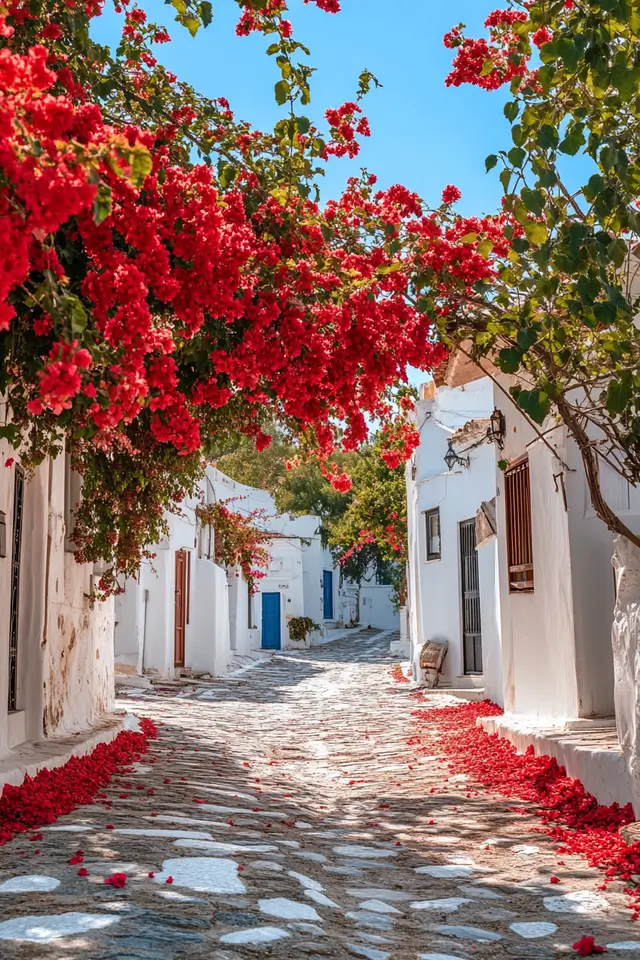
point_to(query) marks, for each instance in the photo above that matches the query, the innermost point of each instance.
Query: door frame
(327, 576)
(181, 607)
(472, 664)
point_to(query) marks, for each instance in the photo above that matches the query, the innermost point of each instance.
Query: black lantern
(497, 428)
(452, 459)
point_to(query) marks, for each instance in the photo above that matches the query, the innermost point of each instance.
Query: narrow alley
(285, 815)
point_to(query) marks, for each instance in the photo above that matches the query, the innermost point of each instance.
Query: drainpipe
(144, 629)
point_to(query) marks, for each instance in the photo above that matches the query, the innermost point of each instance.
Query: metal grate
(519, 534)
(471, 619)
(16, 550)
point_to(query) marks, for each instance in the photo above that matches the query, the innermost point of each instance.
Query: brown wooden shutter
(517, 490)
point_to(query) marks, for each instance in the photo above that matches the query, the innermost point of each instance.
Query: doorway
(327, 594)
(470, 582)
(181, 604)
(271, 625)
(16, 555)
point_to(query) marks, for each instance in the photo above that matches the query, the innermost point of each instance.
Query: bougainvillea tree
(168, 277)
(559, 308)
(239, 538)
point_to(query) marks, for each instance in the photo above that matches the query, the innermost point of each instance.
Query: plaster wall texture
(65, 643)
(490, 616)
(435, 611)
(376, 607)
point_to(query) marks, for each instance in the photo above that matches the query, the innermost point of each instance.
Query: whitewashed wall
(557, 657)
(377, 608)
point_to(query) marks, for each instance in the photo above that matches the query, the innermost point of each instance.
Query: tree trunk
(625, 640)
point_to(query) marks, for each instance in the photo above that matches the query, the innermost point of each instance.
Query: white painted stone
(581, 901)
(286, 909)
(169, 834)
(358, 850)
(526, 849)
(321, 899)
(446, 905)
(533, 931)
(306, 882)
(446, 871)
(215, 846)
(70, 828)
(131, 723)
(625, 945)
(255, 935)
(444, 841)
(459, 778)
(480, 893)
(310, 855)
(378, 906)
(367, 952)
(476, 934)
(437, 956)
(267, 865)
(378, 893)
(53, 927)
(289, 843)
(33, 883)
(203, 874)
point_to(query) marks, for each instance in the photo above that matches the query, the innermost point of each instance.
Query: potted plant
(300, 628)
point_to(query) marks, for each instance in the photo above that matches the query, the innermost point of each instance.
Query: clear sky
(424, 135)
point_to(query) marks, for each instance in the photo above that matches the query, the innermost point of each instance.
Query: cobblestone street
(294, 821)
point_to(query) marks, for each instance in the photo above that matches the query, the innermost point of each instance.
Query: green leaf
(510, 360)
(548, 137)
(618, 396)
(533, 200)
(102, 203)
(626, 80)
(568, 52)
(588, 288)
(78, 317)
(511, 110)
(141, 164)
(192, 24)
(573, 140)
(490, 162)
(516, 156)
(302, 125)
(535, 403)
(536, 232)
(505, 179)
(226, 175)
(617, 252)
(282, 91)
(605, 312)
(526, 338)
(206, 12)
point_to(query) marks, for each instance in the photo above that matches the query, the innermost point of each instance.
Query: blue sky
(424, 135)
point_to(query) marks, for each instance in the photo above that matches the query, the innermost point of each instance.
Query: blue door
(271, 621)
(327, 593)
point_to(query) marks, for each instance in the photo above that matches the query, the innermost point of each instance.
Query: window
(432, 518)
(249, 608)
(205, 547)
(517, 496)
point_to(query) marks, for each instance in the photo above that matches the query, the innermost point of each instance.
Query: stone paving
(294, 821)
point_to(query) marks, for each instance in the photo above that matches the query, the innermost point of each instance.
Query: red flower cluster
(117, 880)
(345, 124)
(52, 793)
(586, 946)
(488, 65)
(397, 674)
(451, 194)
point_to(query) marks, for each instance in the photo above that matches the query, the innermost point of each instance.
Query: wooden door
(271, 625)
(181, 604)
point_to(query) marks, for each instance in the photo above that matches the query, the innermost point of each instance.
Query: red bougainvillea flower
(117, 880)
(554, 879)
(169, 880)
(151, 874)
(586, 946)
(451, 194)
(83, 872)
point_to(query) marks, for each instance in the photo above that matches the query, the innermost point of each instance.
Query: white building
(187, 614)
(555, 594)
(452, 583)
(56, 646)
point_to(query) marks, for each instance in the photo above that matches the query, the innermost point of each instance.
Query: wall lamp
(497, 428)
(452, 459)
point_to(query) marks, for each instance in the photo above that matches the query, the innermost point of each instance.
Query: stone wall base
(590, 752)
